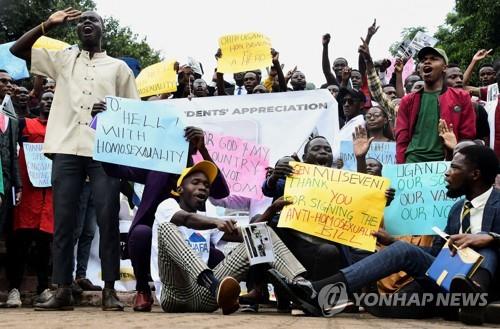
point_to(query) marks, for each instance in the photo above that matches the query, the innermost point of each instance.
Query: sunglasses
(6, 81)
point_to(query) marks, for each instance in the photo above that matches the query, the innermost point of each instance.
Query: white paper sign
(39, 166)
(258, 243)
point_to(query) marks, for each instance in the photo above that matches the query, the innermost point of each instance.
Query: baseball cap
(431, 50)
(355, 94)
(206, 167)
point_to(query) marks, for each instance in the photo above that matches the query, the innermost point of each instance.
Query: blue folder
(445, 267)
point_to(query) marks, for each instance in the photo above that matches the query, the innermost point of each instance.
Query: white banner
(281, 122)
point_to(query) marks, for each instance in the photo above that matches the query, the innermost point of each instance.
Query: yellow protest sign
(157, 79)
(244, 52)
(336, 205)
(50, 44)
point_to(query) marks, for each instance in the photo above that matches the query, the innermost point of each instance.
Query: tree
(17, 17)
(121, 41)
(407, 35)
(473, 25)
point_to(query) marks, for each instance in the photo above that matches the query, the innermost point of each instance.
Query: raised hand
(195, 137)
(289, 74)
(398, 65)
(360, 141)
(373, 28)
(364, 50)
(446, 133)
(481, 54)
(275, 55)
(218, 54)
(326, 39)
(346, 73)
(61, 16)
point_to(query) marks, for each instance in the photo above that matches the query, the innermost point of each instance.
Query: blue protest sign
(420, 201)
(39, 166)
(141, 134)
(12, 64)
(384, 152)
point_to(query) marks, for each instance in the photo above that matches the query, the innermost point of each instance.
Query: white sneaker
(43, 297)
(14, 299)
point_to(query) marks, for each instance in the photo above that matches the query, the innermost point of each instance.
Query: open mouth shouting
(87, 30)
(427, 71)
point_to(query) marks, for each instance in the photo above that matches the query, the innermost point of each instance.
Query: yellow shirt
(80, 83)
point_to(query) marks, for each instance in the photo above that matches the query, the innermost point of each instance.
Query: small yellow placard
(244, 52)
(50, 44)
(336, 205)
(157, 79)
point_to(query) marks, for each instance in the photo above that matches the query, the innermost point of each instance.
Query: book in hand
(258, 243)
(446, 266)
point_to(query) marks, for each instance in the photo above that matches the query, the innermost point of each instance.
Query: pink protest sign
(407, 69)
(242, 162)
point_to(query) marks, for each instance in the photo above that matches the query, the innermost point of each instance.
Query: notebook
(445, 267)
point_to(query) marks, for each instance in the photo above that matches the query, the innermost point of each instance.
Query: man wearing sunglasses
(351, 101)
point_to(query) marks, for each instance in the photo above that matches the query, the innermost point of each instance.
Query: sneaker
(14, 299)
(43, 297)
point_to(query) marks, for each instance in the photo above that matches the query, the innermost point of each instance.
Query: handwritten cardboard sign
(244, 52)
(157, 79)
(50, 44)
(242, 162)
(384, 152)
(336, 205)
(39, 166)
(140, 134)
(420, 202)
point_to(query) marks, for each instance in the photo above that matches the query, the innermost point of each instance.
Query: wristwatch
(496, 238)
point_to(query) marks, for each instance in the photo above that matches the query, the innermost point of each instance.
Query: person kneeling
(181, 245)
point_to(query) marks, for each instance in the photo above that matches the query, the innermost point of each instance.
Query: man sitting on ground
(181, 244)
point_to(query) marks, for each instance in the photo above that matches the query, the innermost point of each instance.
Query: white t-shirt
(198, 240)
(345, 133)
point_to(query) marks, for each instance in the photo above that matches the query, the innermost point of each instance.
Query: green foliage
(17, 17)
(472, 26)
(407, 34)
(121, 41)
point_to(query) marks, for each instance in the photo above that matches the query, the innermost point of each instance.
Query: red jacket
(455, 107)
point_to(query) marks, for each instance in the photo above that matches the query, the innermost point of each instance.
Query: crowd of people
(432, 115)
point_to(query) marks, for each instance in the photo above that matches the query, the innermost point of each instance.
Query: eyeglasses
(6, 81)
(373, 116)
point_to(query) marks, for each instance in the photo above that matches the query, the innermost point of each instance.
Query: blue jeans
(403, 256)
(85, 230)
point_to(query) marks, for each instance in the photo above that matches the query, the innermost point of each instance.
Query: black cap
(355, 94)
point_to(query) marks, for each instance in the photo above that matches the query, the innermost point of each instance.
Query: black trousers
(320, 260)
(68, 176)
(20, 242)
